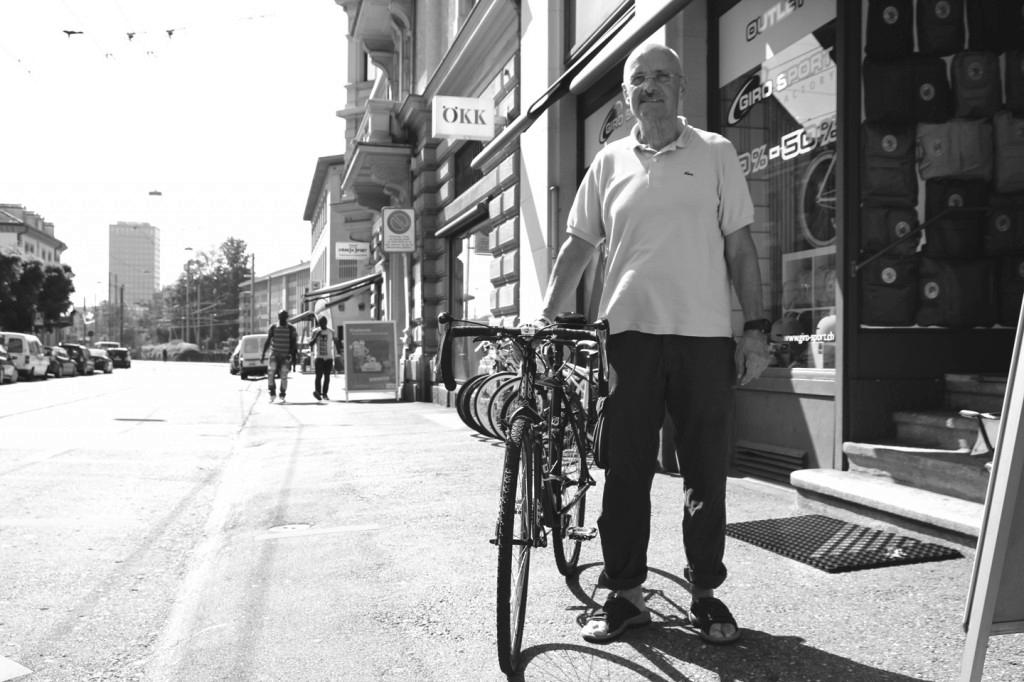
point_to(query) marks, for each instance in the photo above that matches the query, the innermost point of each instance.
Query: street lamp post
(188, 285)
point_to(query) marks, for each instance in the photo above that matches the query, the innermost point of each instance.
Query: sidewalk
(355, 547)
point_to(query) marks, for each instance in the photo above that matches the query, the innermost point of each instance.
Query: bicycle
(549, 445)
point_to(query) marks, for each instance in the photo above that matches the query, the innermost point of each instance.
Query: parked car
(8, 372)
(26, 352)
(61, 364)
(235, 360)
(80, 354)
(100, 360)
(119, 355)
(249, 356)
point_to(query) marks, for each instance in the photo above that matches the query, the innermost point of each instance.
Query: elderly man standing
(672, 208)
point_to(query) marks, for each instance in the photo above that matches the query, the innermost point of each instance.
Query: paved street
(166, 523)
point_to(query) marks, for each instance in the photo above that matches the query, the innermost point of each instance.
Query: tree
(212, 279)
(55, 297)
(28, 287)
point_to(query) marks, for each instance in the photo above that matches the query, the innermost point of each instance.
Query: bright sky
(225, 117)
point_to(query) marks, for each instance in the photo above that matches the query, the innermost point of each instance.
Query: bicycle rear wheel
(566, 486)
(515, 526)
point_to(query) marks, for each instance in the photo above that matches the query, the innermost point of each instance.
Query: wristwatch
(762, 325)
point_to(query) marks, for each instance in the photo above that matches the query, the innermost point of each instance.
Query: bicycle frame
(567, 397)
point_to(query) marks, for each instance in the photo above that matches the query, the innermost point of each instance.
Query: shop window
(471, 297)
(778, 107)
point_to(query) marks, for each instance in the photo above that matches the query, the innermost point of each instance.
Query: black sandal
(617, 615)
(710, 611)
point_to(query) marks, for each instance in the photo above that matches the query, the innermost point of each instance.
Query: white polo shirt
(664, 215)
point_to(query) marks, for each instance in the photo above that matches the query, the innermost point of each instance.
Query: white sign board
(995, 600)
(351, 251)
(398, 230)
(463, 118)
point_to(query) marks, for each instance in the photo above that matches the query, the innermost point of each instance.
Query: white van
(249, 362)
(26, 351)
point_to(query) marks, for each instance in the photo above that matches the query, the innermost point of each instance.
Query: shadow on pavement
(669, 649)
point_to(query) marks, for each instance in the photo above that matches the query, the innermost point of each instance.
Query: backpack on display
(907, 90)
(995, 25)
(888, 288)
(888, 162)
(881, 225)
(1004, 225)
(1011, 289)
(956, 293)
(1013, 81)
(940, 26)
(977, 84)
(959, 233)
(959, 148)
(1009, 162)
(890, 29)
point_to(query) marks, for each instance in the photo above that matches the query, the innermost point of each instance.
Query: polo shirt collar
(680, 142)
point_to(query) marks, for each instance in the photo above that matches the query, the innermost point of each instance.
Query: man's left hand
(752, 356)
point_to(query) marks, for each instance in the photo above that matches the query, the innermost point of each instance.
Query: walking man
(671, 206)
(323, 343)
(283, 342)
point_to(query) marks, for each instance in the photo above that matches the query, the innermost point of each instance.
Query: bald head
(652, 52)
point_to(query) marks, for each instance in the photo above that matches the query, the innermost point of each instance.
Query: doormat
(836, 546)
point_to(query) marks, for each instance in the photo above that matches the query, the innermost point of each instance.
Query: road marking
(299, 532)
(10, 670)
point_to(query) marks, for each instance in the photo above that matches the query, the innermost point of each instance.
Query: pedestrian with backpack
(323, 344)
(283, 343)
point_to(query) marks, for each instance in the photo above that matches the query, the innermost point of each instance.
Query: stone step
(955, 473)
(942, 429)
(980, 392)
(879, 498)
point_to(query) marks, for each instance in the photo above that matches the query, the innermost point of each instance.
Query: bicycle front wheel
(569, 494)
(515, 530)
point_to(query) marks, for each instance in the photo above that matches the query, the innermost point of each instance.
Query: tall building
(134, 260)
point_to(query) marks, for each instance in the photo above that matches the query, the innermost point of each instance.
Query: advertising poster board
(371, 357)
(995, 600)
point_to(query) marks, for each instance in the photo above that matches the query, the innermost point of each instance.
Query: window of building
(465, 175)
(587, 16)
(471, 294)
(780, 113)
(347, 269)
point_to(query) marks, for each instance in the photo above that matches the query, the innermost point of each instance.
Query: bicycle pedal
(581, 532)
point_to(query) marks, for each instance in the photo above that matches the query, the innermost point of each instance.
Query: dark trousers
(322, 382)
(693, 378)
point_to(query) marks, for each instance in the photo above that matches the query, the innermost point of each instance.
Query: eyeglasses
(659, 77)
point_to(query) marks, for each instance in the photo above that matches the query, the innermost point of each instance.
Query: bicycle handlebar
(569, 331)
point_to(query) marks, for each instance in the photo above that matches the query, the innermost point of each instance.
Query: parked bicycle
(549, 444)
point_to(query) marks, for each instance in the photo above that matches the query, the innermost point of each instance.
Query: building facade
(868, 318)
(134, 263)
(263, 297)
(344, 285)
(30, 235)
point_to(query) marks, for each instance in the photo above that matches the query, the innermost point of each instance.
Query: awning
(303, 317)
(620, 38)
(345, 289)
(471, 215)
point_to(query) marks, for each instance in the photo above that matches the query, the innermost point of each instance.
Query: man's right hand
(533, 324)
